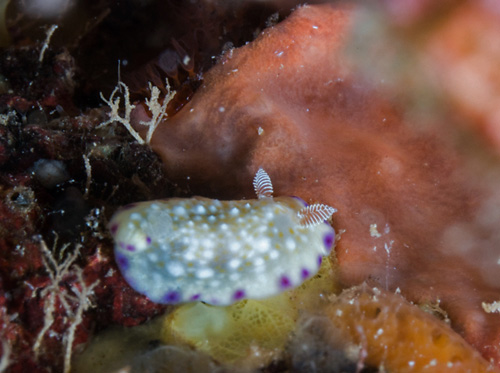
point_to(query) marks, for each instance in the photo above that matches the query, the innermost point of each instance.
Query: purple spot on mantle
(285, 282)
(195, 297)
(130, 247)
(148, 240)
(114, 229)
(328, 240)
(172, 297)
(239, 294)
(122, 262)
(320, 260)
(305, 273)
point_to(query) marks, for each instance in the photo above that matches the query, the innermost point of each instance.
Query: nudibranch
(219, 252)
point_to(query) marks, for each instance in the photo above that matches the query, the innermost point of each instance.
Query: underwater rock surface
(412, 213)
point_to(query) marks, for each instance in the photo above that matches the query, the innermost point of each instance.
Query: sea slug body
(199, 249)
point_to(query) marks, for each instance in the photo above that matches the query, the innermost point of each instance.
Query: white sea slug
(219, 252)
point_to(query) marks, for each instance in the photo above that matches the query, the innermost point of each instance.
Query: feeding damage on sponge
(219, 252)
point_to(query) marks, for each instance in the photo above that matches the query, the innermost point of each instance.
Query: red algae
(58, 280)
(291, 102)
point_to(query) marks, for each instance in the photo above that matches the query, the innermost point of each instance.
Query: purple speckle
(328, 240)
(239, 294)
(195, 297)
(320, 260)
(122, 262)
(114, 229)
(285, 282)
(148, 240)
(130, 247)
(172, 297)
(305, 273)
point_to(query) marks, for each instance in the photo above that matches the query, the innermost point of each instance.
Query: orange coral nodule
(400, 336)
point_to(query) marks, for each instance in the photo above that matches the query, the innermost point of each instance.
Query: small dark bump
(328, 240)
(305, 273)
(172, 297)
(122, 262)
(239, 294)
(130, 247)
(285, 282)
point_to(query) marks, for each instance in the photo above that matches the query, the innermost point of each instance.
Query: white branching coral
(67, 287)
(158, 110)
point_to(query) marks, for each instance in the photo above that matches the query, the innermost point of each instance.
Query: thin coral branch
(158, 111)
(73, 295)
(6, 355)
(5, 359)
(48, 310)
(84, 303)
(114, 105)
(45, 45)
(88, 171)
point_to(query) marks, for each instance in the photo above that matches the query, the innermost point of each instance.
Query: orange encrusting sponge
(399, 336)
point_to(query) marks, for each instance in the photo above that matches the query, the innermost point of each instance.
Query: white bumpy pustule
(219, 252)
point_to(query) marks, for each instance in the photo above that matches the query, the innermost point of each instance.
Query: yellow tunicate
(314, 292)
(229, 334)
(250, 332)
